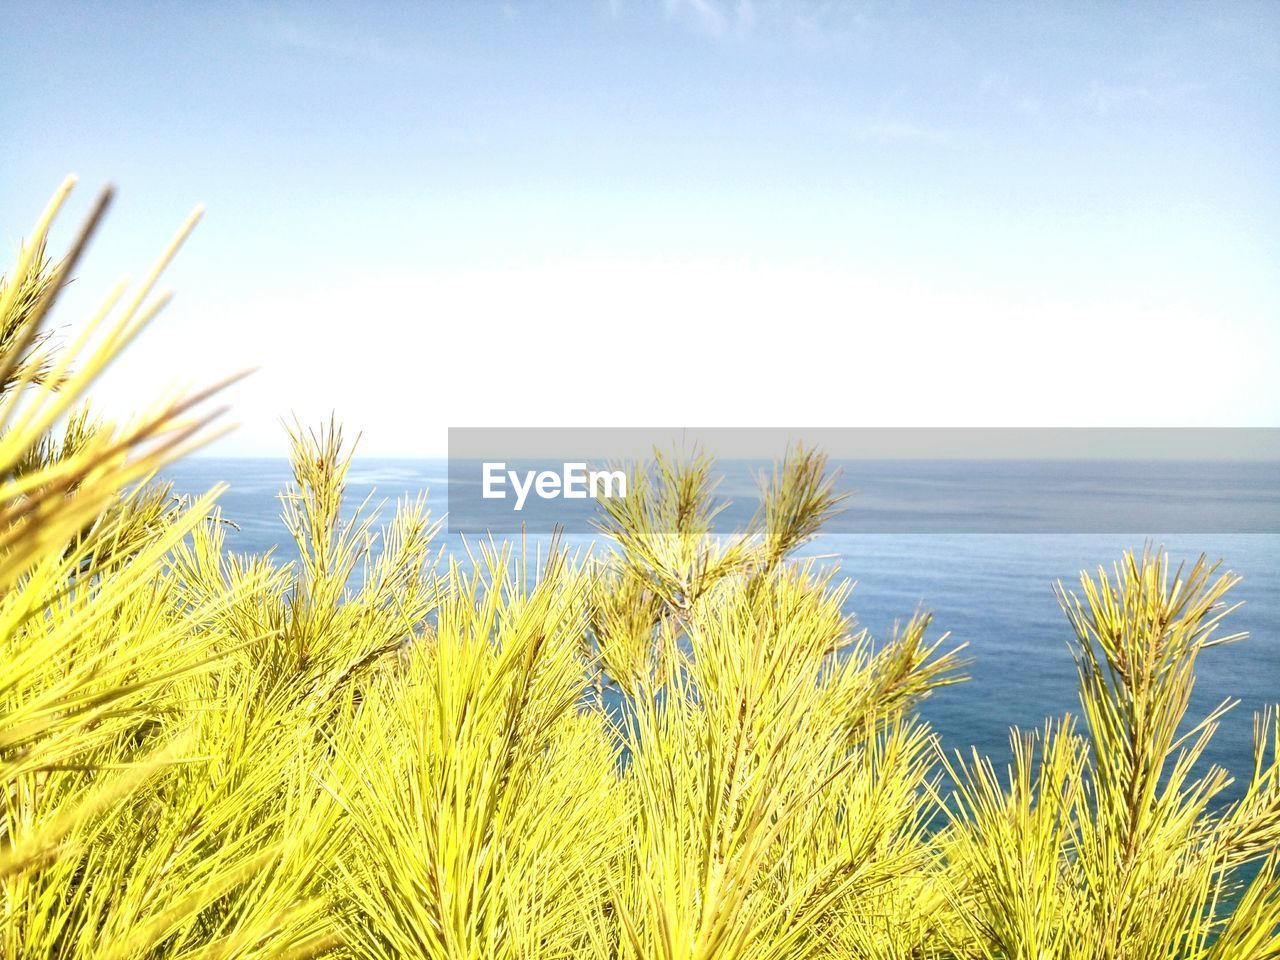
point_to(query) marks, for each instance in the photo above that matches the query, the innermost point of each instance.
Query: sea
(993, 592)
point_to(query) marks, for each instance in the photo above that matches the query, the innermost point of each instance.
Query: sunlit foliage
(679, 748)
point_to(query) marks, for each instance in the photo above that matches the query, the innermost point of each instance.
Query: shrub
(375, 752)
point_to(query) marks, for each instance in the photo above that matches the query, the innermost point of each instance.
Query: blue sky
(719, 213)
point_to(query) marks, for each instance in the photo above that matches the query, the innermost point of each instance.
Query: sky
(689, 212)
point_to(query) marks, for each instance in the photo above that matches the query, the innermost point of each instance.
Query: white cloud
(812, 25)
(298, 36)
(1107, 98)
(715, 18)
(999, 85)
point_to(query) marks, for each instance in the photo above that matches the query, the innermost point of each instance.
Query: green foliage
(371, 753)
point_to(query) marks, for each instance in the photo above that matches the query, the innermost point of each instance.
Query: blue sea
(990, 591)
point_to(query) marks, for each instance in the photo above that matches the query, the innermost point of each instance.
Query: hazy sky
(772, 213)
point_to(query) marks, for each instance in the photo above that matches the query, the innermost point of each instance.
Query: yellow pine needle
(680, 748)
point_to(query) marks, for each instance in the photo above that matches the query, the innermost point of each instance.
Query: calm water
(991, 591)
